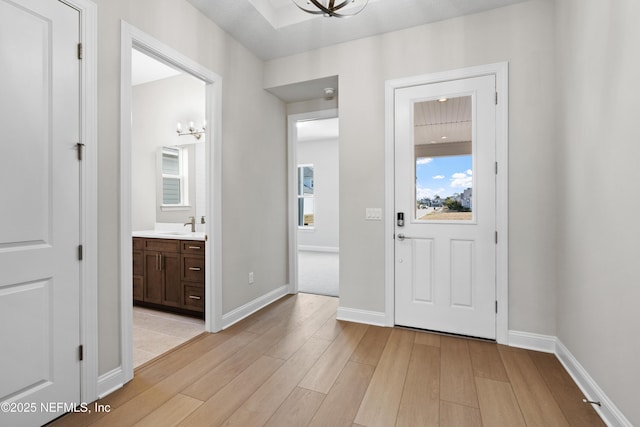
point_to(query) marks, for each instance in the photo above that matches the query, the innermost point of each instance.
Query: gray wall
(598, 138)
(254, 157)
(323, 154)
(523, 35)
(156, 109)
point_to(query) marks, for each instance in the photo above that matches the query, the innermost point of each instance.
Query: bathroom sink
(174, 233)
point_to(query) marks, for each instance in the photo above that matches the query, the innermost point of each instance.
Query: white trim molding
(110, 382)
(236, 315)
(131, 38)
(529, 341)
(88, 12)
(376, 318)
(609, 412)
(501, 73)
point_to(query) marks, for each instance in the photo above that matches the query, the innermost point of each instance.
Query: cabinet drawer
(193, 268)
(194, 247)
(138, 243)
(162, 245)
(193, 297)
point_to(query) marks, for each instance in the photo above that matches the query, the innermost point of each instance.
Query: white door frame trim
(292, 155)
(501, 72)
(88, 11)
(132, 37)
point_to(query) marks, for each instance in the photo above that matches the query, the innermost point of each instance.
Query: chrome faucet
(192, 223)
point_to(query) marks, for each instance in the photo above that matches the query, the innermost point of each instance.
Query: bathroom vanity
(169, 271)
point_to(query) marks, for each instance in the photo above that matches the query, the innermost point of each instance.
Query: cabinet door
(138, 275)
(172, 291)
(153, 277)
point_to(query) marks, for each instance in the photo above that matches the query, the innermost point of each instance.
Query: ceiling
(277, 28)
(145, 69)
(444, 120)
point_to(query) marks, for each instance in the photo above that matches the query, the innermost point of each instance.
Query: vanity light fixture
(331, 8)
(192, 130)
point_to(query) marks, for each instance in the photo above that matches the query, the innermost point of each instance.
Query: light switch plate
(373, 214)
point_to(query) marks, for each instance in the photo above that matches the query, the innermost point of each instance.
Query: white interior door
(445, 270)
(39, 211)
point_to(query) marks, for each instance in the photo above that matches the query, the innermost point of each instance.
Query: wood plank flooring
(293, 364)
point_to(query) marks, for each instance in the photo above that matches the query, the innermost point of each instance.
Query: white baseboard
(609, 413)
(251, 307)
(376, 318)
(537, 342)
(309, 248)
(110, 382)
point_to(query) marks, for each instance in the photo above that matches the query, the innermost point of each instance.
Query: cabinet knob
(195, 247)
(194, 268)
(194, 297)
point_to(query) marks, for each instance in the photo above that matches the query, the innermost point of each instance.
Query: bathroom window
(174, 176)
(306, 197)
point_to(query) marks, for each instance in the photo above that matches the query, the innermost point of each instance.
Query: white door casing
(40, 214)
(445, 271)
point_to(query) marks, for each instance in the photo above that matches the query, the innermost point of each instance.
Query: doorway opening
(168, 190)
(314, 202)
(170, 199)
(317, 204)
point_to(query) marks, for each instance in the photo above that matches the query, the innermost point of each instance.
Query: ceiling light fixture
(192, 130)
(331, 8)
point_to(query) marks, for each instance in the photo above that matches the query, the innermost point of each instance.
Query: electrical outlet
(251, 277)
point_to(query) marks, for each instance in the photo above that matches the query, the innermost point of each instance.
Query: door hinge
(80, 52)
(496, 98)
(80, 148)
(496, 306)
(496, 237)
(81, 352)
(496, 168)
(80, 252)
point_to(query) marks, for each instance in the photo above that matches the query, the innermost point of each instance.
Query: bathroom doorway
(170, 199)
(168, 193)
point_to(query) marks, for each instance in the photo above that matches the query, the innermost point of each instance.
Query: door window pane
(443, 159)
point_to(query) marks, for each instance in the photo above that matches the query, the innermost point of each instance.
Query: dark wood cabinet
(169, 274)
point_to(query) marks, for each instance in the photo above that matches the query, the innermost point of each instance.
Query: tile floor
(156, 332)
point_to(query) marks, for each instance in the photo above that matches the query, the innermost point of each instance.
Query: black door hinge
(80, 148)
(496, 306)
(80, 52)
(80, 252)
(81, 352)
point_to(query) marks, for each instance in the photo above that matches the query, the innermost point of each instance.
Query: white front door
(445, 202)
(39, 211)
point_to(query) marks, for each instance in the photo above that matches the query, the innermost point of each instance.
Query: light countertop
(163, 234)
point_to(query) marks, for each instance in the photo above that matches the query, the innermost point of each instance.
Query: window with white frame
(306, 197)
(174, 176)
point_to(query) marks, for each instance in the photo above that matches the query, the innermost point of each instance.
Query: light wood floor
(293, 364)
